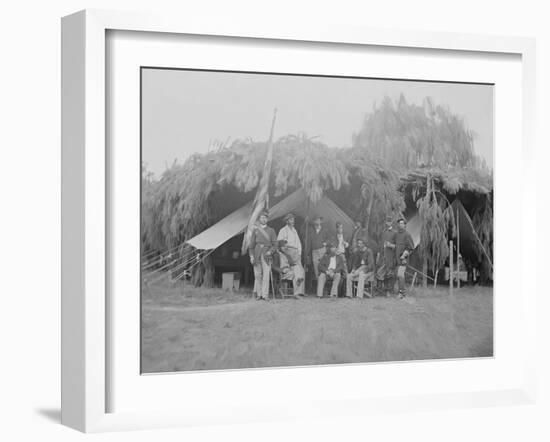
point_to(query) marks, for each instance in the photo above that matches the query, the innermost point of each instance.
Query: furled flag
(262, 194)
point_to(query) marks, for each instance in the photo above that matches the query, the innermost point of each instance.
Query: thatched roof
(451, 181)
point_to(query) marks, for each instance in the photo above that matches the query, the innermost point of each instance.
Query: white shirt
(332, 263)
(341, 244)
(290, 235)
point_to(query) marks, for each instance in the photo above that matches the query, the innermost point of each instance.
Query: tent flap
(226, 228)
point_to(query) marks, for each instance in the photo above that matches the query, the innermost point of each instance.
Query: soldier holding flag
(263, 244)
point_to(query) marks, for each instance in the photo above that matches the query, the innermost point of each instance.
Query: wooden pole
(451, 267)
(457, 248)
(261, 200)
(425, 272)
(414, 280)
(307, 272)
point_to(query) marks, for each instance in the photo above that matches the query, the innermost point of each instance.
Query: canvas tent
(297, 203)
(414, 226)
(467, 235)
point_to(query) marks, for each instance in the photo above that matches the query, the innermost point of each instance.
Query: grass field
(184, 328)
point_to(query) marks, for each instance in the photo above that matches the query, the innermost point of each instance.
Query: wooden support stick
(451, 267)
(425, 272)
(414, 279)
(457, 249)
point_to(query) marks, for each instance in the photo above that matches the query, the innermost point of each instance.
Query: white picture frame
(85, 202)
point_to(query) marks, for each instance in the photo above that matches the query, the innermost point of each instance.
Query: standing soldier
(262, 246)
(291, 251)
(386, 272)
(317, 241)
(404, 245)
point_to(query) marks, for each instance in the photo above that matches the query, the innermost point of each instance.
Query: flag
(262, 194)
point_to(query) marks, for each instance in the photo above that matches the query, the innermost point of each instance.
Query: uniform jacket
(388, 252)
(325, 262)
(362, 255)
(263, 240)
(403, 242)
(318, 240)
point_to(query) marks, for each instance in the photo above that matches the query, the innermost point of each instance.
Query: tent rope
(162, 253)
(197, 257)
(186, 263)
(178, 277)
(165, 266)
(184, 256)
(183, 264)
(423, 274)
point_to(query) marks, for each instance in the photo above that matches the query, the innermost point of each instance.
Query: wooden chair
(286, 288)
(282, 287)
(368, 287)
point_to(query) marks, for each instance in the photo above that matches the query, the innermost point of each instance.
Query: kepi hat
(288, 216)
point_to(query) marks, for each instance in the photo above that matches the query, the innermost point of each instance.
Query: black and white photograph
(302, 220)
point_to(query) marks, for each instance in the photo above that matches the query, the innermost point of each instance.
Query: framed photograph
(265, 222)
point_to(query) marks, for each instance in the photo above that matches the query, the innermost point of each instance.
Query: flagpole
(261, 199)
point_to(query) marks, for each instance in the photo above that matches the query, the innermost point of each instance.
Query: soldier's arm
(252, 245)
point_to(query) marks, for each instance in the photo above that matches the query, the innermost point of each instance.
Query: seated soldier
(362, 269)
(283, 268)
(331, 266)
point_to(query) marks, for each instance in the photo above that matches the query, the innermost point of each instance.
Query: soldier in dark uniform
(362, 269)
(404, 245)
(386, 272)
(331, 266)
(262, 246)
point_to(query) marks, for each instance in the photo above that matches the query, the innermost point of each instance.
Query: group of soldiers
(333, 258)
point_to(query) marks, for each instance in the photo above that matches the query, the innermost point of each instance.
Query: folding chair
(286, 288)
(282, 287)
(368, 287)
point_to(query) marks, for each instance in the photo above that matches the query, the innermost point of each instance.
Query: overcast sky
(186, 111)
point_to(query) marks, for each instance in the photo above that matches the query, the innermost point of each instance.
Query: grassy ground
(184, 328)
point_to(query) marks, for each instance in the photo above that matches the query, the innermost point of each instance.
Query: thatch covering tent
(451, 180)
(465, 198)
(464, 223)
